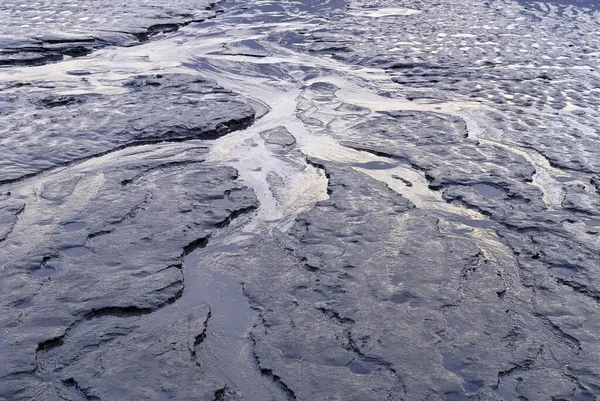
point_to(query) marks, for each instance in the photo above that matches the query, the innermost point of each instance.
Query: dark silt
(357, 200)
(591, 4)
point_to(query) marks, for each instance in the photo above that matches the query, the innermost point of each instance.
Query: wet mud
(37, 33)
(318, 200)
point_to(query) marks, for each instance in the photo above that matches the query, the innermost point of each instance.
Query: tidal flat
(300, 200)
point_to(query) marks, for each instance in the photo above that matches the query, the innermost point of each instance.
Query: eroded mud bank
(307, 201)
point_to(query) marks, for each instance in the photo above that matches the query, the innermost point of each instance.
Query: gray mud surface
(38, 32)
(317, 200)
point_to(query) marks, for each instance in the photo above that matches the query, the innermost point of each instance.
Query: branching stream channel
(300, 200)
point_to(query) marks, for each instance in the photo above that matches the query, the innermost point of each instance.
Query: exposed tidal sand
(307, 201)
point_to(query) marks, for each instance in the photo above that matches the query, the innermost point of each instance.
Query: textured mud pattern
(316, 200)
(35, 33)
(155, 108)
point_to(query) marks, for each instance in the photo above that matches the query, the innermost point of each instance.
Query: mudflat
(317, 200)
